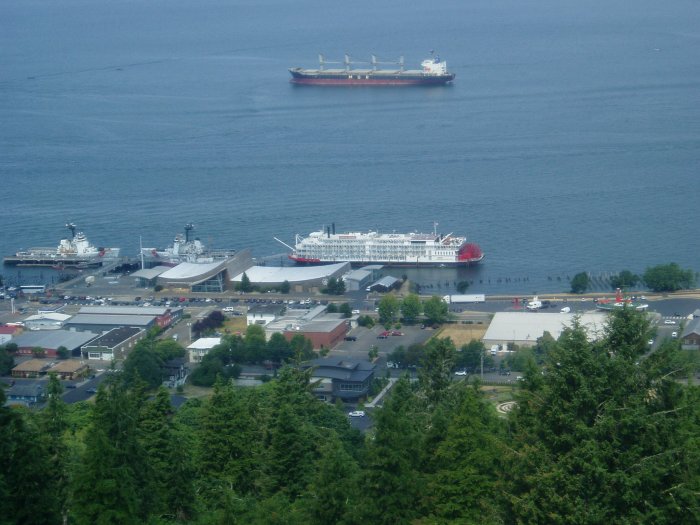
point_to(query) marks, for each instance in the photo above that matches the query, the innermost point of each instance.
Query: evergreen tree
(388, 309)
(598, 437)
(333, 489)
(167, 450)
(464, 487)
(436, 373)
(228, 443)
(112, 485)
(392, 483)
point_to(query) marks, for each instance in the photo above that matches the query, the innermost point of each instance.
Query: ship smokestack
(328, 232)
(333, 228)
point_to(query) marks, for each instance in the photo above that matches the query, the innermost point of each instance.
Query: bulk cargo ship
(389, 249)
(75, 252)
(433, 72)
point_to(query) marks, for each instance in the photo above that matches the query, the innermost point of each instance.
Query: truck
(464, 298)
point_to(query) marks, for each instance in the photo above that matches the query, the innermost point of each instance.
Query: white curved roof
(279, 274)
(187, 271)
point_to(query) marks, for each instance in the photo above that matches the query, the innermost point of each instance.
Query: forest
(602, 432)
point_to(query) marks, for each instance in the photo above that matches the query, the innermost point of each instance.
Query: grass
(462, 334)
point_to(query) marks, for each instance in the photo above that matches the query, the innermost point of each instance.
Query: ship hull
(349, 79)
(394, 264)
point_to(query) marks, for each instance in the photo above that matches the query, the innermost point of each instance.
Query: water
(569, 142)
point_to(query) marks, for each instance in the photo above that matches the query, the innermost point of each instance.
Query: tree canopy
(669, 278)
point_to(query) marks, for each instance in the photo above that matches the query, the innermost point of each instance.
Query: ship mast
(72, 227)
(188, 228)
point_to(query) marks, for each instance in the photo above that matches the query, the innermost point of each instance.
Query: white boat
(185, 249)
(389, 249)
(70, 252)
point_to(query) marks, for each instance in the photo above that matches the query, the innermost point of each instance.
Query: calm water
(569, 142)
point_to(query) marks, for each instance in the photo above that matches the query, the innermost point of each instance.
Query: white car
(461, 373)
(674, 335)
(355, 312)
(228, 309)
(669, 321)
(357, 413)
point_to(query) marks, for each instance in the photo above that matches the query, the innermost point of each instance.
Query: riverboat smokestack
(333, 224)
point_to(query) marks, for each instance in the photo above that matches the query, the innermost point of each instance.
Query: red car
(396, 332)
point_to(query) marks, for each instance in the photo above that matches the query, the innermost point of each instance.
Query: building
(690, 336)
(46, 321)
(323, 333)
(32, 368)
(115, 344)
(264, 314)
(323, 329)
(385, 284)
(301, 279)
(7, 333)
(51, 340)
(27, 394)
(201, 347)
(205, 277)
(165, 315)
(69, 369)
(104, 323)
(338, 378)
(524, 328)
(359, 279)
(174, 372)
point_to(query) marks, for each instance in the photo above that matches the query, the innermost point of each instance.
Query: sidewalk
(381, 394)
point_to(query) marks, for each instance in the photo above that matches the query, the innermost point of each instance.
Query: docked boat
(620, 302)
(73, 252)
(183, 249)
(389, 249)
(433, 72)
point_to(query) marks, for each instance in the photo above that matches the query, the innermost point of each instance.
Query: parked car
(228, 309)
(350, 338)
(396, 332)
(669, 321)
(461, 373)
(357, 413)
(674, 335)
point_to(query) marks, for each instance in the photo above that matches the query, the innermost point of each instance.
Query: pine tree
(112, 485)
(392, 482)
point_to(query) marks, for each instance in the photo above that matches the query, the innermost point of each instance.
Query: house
(69, 369)
(115, 344)
(174, 372)
(339, 378)
(25, 394)
(690, 336)
(201, 347)
(32, 368)
(264, 314)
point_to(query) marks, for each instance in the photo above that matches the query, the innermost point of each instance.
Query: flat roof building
(341, 378)
(51, 340)
(524, 328)
(201, 347)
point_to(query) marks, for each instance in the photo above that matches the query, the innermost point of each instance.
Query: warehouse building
(115, 344)
(51, 340)
(524, 328)
(302, 279)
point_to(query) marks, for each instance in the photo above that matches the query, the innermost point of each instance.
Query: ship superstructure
(433, 72)
(390, 249)
(184, 249)
(75, 251)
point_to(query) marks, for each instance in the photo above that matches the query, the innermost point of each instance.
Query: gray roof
(53, 339)
(341, 369)
(150, 273)
(124, 310)
(114, 337)
(693, 327)
(25, 390)
(387, 281)
(117, 320)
